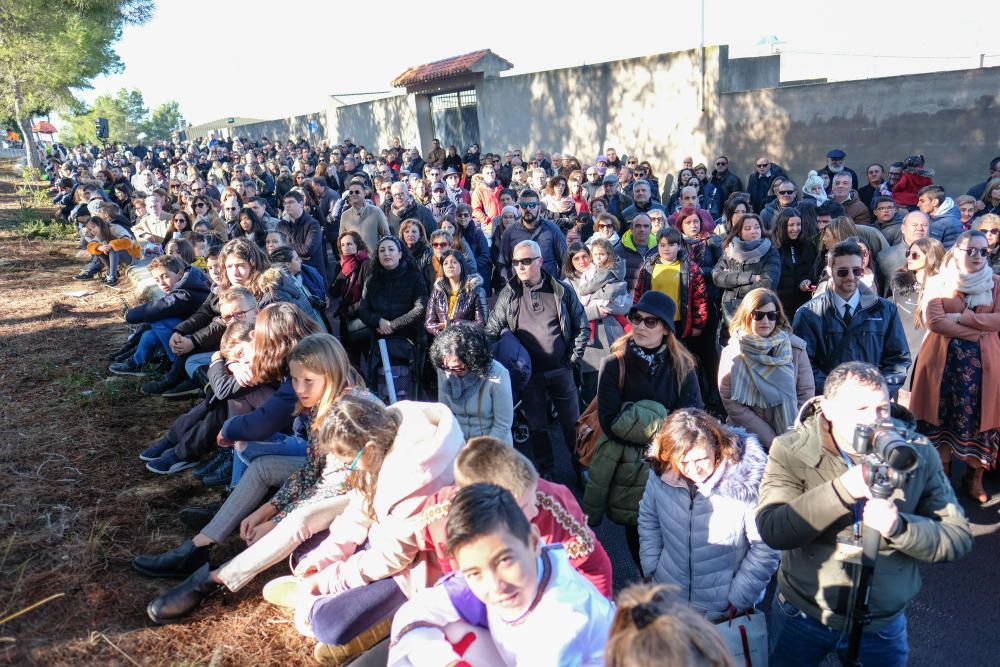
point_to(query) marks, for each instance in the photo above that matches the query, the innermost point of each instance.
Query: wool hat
(610, 178)
(658, 304)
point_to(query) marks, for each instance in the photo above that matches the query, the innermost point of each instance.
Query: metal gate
(456, 119)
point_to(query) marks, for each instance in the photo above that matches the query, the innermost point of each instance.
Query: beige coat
(759, 420)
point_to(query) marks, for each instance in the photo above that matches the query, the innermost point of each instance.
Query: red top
(560, 521)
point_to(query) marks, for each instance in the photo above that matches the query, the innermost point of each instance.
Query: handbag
(746, 637)
(588, 426)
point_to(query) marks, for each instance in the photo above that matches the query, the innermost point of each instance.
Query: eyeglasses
(972, 252)
(355, 192)
(843, 272)
(885, 208)
(357, 457)
(763, 166)
(759, 315)
(439, 244)
(528, 204)
(238, 315)
(523, 262)
(649, 321)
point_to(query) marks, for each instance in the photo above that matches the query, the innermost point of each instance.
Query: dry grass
(77, 504)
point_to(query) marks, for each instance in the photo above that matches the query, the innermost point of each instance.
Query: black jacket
(182, 301)
(399, 296)
(572, 317)
(797, 260)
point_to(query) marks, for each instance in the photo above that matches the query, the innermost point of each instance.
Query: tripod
(880, 482)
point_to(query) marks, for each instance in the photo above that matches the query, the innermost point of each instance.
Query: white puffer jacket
(704, 539)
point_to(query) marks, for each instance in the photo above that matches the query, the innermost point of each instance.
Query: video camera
(889, 457)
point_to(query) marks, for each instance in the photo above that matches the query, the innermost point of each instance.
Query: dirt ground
(76, 503)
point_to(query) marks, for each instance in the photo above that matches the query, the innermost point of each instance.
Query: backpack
(588, 427)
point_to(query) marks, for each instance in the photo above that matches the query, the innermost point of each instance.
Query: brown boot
(944, 451)
(341, 654)
(973, 482)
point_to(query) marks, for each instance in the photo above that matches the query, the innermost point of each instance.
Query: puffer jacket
(572, 318)
(470, 306)
(804, 507)
(618, 471)
(399, 296)
(703, 539)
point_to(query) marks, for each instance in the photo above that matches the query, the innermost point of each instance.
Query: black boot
(182, 599)
(197, 517)
(179, 562)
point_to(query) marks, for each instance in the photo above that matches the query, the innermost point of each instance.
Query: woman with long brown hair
(648, 374)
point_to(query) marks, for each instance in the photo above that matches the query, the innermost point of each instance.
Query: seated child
(550, 507)
(539, 610)
(181, 248)
(652, 627)
(111, 246)
(185, 288)
(307, 277)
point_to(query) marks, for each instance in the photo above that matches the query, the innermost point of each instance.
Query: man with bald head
(916, 225)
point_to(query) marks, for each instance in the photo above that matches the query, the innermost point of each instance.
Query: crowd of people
(380, 348)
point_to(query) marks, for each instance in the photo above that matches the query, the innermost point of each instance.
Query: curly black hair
(468, 342)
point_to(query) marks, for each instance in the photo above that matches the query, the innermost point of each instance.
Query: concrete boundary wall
(666, 106)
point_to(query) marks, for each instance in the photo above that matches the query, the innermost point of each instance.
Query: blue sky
(267, 60)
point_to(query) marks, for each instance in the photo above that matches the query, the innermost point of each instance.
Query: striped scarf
(766, 378)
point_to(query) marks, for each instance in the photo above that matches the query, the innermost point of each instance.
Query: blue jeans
(114, 259)
(196, 361)
(798, 640)
(282, 445)
(157, 336)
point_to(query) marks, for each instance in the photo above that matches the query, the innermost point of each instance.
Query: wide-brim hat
(659, 305)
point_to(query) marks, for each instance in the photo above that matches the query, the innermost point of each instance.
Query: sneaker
(111, 281)
(209, 466)
(168, 464)
(129, 367)
(155, 449)
(189, 387)
(221, 475)
(84, 275)
(157, 387)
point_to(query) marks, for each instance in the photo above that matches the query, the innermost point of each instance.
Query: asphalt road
(952, 621)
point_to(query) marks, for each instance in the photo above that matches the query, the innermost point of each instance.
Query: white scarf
(977, 287)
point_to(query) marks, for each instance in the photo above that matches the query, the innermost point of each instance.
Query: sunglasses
(786, 192)
(355, 192)
(844, 272)
(528, 204)
(605, 225)
(523, 262)
(914, 255)
(201, 205)
(721, 164)
(649, 321)
(439, 244)
(972, 252)
(759, 315)
(762, 166)
(354, 464)
(991, 231)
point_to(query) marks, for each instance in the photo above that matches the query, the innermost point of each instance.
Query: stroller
(405, 366)
(509, 352)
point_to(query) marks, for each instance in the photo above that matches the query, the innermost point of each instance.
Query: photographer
(815, 503)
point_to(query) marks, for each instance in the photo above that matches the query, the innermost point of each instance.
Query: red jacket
(559, 520)
(906, 189)
(694, 293)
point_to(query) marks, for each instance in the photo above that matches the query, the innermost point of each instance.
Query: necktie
(847, 313)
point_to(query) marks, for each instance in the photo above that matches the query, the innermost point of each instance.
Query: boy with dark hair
(185, 288)
(537, 608)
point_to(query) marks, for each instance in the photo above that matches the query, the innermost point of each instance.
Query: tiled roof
(442, 68)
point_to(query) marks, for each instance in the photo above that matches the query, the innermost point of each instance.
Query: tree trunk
(24, 122)
(30, 147)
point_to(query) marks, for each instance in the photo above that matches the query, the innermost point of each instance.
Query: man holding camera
(815, 501)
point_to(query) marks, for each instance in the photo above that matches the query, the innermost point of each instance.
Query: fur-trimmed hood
(738, 479)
